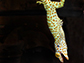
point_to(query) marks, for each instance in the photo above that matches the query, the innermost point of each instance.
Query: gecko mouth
(64, 56)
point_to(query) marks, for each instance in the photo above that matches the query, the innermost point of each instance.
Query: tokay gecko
(55, 26)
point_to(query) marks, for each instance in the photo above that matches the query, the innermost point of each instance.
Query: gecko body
(55, 26)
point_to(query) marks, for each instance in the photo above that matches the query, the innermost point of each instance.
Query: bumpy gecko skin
(55, 26)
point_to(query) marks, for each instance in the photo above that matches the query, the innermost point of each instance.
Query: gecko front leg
(40, 2)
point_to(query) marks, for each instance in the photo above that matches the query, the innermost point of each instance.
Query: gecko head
(61, 48)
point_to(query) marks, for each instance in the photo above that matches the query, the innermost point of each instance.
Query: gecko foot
(39, 2)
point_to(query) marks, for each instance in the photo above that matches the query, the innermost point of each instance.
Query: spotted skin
(55, 26)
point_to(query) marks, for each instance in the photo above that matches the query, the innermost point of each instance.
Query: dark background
(25, 37)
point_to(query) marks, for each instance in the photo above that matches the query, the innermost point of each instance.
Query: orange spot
(47, 16)
(64, 48)
(53, 20)
(54, 16)
(47, 13)
(55, 12)
(60, 3)
(58, 40)
(49, 2)
(51, 17)
(49, 23)
(51, 29)
(51, 8)
(60, 49)
(57, 48)
(49, 20)
(51, 26)
(63, 44)
(48, 7)
(53, 5)
(56, 4)
(45, 1)
(55, 27)
(52, 13)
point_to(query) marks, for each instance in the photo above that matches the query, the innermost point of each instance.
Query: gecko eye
(58, 46)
